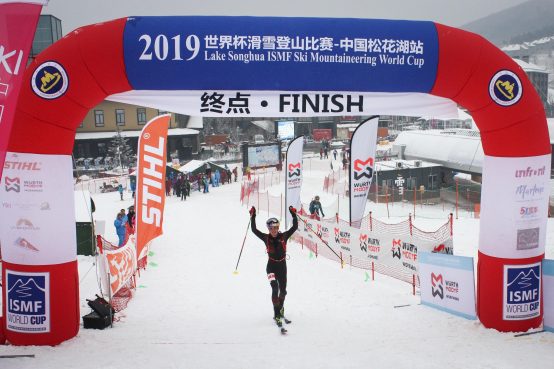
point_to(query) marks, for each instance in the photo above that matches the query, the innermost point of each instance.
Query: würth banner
(150, 194)
(293, 179)
(362, 158)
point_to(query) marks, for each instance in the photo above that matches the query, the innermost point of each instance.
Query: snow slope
(191, 311)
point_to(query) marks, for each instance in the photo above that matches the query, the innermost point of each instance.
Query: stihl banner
(150, 194)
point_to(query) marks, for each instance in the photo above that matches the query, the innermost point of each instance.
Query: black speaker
(101, 307)
(95, 321)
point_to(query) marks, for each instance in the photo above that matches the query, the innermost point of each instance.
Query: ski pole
(322, 240)
(240, 254)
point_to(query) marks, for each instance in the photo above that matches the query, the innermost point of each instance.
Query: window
(411, 183)
(99, 118)
(433, 182)
(120, 117)
(141, 116)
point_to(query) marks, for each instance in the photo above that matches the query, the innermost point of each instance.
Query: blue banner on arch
(280, 54)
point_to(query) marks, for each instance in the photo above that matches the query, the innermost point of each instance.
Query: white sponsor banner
(395, 251)
(548, 291)
(514, 206)
(27, 302)
(447, 283)
(362, 158)
(37, 210)
(522, 292)
(293, 176)
(291, 103)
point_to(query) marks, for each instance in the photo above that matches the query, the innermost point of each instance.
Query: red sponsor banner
(150, 194)
(320, 134)
(18, 22)
(122, 264)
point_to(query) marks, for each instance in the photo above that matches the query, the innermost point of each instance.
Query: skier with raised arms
(276, 247)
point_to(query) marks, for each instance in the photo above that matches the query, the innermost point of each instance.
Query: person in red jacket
(276, 247)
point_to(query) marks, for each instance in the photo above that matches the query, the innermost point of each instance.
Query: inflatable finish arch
(277, 58)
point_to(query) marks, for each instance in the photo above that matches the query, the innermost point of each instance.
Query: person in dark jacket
(276, 247)
(316, 210)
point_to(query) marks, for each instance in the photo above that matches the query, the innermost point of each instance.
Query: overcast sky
(76, 13)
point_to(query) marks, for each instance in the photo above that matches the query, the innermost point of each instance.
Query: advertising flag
(18, 21)
(293, 179)
(150, 194)
(362, 162)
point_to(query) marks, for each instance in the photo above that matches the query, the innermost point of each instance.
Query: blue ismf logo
(522, 291)
(26, 294)
(505, 88)
(49, 80)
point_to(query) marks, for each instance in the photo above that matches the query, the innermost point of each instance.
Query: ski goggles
(272, 222)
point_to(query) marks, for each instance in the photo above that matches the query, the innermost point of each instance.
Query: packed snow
(191, 311)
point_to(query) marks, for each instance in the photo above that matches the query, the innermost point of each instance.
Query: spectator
(131, 220)
(321, 153)
(316, 210)
(133, 187)
(168, 186)
(335, 154)
(235, 173)
(120, 190)
(119, 224)
(183, 189)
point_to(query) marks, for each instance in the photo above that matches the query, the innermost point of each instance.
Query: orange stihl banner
(122, 264)
(150, 194)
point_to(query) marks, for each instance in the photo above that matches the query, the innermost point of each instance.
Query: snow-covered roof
(529, 67)
(191, 166)
(449, 148)
(110, 134)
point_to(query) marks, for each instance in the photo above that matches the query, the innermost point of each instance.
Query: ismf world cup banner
(18, 21)
(150, 194)
(27, 302)
(122, 264)
(522, 291)
(293, 176)
(362, 162)
(447, 283)
(548, 289)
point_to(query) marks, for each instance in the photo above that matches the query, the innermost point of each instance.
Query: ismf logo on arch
(522, 291)
(28, 302)
(505, 88)
(49, 80)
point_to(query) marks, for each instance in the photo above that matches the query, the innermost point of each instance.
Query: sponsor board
(447, 283)
(36, 219)
(514, 206)
(522, 291)
(27, 302)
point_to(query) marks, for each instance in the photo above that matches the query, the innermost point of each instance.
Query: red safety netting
(121, 298)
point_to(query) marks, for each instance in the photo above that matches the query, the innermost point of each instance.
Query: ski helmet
(271, 222)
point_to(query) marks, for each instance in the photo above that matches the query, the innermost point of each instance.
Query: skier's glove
(292, 210)
(252, 211)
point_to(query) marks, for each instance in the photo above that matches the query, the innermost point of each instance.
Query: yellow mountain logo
(505, 88)
(49, 80)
